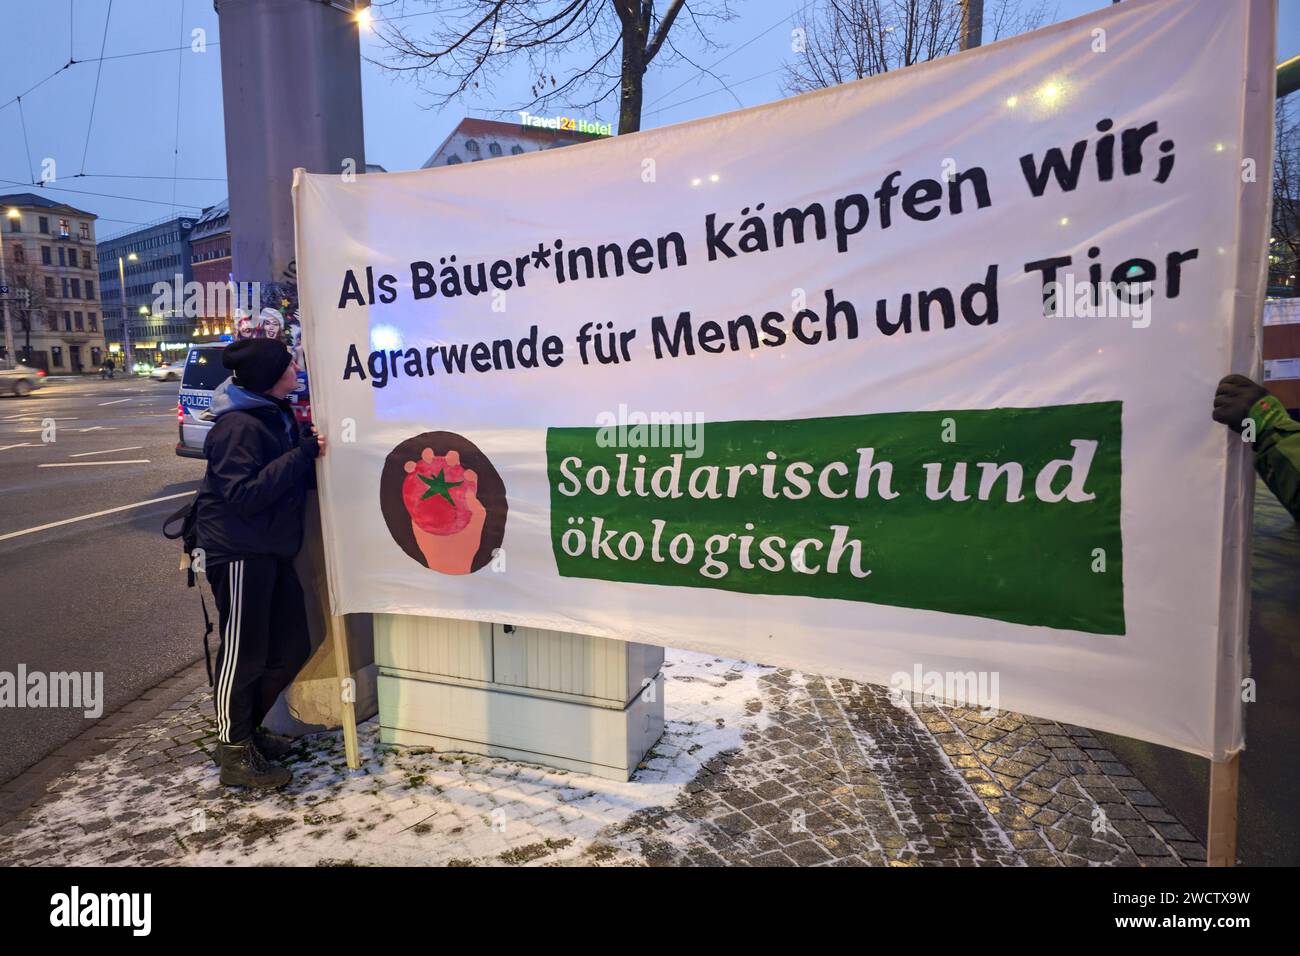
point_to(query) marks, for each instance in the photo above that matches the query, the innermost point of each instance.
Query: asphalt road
(100, 594)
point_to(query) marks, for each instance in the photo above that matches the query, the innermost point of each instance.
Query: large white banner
(909, 375)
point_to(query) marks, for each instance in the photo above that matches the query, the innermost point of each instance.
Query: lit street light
(129, 360)
(9, 332)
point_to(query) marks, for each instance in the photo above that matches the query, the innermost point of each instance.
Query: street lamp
(146, 315)
(129, 366)
(13, 213)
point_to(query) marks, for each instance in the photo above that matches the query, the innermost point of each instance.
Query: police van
(203, 373)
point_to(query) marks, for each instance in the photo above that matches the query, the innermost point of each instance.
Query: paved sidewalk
(757, 766)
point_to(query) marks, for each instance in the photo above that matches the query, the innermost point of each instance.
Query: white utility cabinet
(589, 704)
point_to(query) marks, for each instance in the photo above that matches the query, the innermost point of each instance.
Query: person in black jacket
(249, 523)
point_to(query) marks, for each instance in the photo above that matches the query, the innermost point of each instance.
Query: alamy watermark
(1102, 300)
(195, 299)
(82, 690)
(923, 688)
(638, 429)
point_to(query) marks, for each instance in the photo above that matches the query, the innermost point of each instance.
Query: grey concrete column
(291, 83)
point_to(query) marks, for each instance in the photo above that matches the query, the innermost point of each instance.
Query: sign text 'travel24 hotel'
(591, 127)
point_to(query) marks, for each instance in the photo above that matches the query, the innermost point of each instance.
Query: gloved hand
(1233, 400)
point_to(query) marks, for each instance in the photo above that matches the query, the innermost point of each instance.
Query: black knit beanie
(257, 363)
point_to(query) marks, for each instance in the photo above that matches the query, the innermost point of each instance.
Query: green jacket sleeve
(1277, 451)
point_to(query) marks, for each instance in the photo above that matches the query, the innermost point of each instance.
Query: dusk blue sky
(137, 130)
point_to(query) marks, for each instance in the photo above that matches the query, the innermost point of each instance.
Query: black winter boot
(274, 746)
(243, 766)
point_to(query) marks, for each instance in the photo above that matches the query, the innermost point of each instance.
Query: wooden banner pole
(347, 689)
(1221, 846)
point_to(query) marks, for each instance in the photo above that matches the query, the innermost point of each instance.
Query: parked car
(20, 379)
(168, 372)
(202, 374)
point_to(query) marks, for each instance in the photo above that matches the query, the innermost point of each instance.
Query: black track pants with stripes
(264, 639)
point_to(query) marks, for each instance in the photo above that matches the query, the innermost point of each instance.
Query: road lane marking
(83, 454)
(117, 401)
(97, 514)
(74, 464)
(94, 428)
(21, 444)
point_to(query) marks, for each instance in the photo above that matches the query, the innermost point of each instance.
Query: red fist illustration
(447, 518)
(435, 492)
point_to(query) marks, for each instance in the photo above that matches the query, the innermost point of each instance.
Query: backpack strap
(182, 515)
(207, 629)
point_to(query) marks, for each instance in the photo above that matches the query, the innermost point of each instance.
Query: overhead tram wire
(72, 61)
(176, 142)
(98, 72)
(22, 118)
(724, 89)
(188, 179)
(98, 59)
(702, 70)
(36, 86)
(86, 192)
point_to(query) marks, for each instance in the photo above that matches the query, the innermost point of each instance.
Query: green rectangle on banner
(1006, 513)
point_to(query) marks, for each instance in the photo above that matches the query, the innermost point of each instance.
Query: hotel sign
(569, 123)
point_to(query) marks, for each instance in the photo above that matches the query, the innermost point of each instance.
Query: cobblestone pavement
(757, 766)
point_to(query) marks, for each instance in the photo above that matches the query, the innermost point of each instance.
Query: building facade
(478, 139)
(155, 284)
(50, 269)
(210, 261)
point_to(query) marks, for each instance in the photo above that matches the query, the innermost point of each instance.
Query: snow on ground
(407, 806)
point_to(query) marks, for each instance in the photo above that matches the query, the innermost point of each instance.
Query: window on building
(20, 254)
(471, 145)
(45, 255)
(494, 149)
(62, 257)
(83, 229)
(56, 356)
(64, 229)
(76, 288)
(49, 287)
(76, 321)
(15, 225)
(90, 289)
(67, 321)
(64, 286)
(453, 159)
(516, 150)
(85, 260)
(92, 321)
(43, 224)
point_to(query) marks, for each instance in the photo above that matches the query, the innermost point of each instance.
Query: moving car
(20, 379)
(168, 372)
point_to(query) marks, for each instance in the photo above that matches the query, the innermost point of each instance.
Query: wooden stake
(1221, 847)
(343, 667)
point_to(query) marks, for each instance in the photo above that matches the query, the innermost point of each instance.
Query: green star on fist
(439, 485)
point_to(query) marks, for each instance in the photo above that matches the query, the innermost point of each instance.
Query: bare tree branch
(476, 40)
(844, 40)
